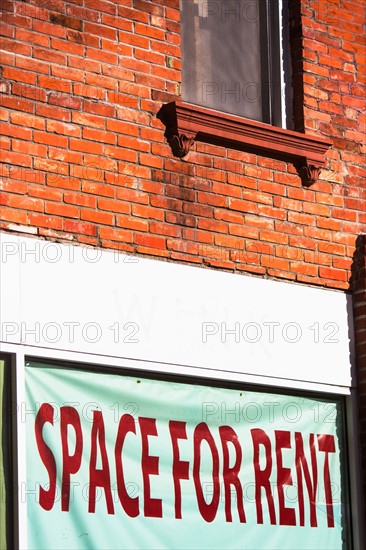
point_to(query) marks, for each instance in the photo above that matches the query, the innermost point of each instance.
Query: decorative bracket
(180, 143)
(308, 171)
(186, 123)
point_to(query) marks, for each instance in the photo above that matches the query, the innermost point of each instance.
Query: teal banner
(120, 462)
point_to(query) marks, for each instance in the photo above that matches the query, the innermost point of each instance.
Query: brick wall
(85, 159)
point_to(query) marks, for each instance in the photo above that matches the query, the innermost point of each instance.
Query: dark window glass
(231, 59)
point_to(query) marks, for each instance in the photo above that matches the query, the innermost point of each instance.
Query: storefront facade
(230, 413)
(182, 289)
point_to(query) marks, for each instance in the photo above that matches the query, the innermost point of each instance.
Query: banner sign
(118, 462)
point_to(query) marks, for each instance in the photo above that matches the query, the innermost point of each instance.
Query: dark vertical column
(297, 61)
(359, 311)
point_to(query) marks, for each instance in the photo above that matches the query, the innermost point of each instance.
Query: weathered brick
(82, 85)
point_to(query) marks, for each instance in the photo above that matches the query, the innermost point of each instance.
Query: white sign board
(64, 297)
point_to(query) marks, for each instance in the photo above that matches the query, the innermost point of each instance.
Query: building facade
(183, 284)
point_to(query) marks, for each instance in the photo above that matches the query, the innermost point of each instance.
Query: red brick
(67, 73)
(152, 32)
(86, 146)
(66, 211)
(344, 214)
(147, 212)
(305, 269)
(166, 203)
(16, 47)
(87, 120)
(14, 186)
(50, 111)
(43, 192)
(181, 219)
(85, 64)
(63, 182)
(41, 220)
(317, 209)
(5, 143)
(271, 212)
(15, 216)
(65, 21)
(275, 263)
(242, 206)
(7, 58)
(48, 29)
(97, 217)
(80, 227)
(150, 241)
(49, 55)
(133, 143)
(122, 127)
(34, 149)
(164, 229)
(116, 234)
(54, 84)
(23, 203)
(67, 46)
(99, 136)
(15, 131)
(17, 103)
(16, 159)
(31, 92)
(337, 274)
(97, 188)
(151, 187)
(273, 237)
(298, 217)
(7, 30)
(132, 223)
(114, 206)
(99, 108)
(213, 225)
(199, 236)
(80, 199)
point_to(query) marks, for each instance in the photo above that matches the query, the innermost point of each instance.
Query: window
(231, 57)
(131, 460)
(236, 90)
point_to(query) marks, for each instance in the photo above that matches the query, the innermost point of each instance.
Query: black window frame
(274, 70)
(125, 371)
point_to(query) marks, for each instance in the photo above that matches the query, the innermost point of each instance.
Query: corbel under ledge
(185, 123)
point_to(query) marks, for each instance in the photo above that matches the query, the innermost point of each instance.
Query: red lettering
(150, 466)
(45, 414)
(180, 467)
(283, 441)
(99, 477)
(70, 463)
(259, 437)
(230, 475)
(302, 468)
(202, 433)
(129, 504)
(327, 445)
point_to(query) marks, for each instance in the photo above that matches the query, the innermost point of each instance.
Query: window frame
(7, 431)
(186, 123)
(269, 66)
(19, 354)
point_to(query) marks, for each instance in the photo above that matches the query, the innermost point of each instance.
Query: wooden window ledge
(186, 123)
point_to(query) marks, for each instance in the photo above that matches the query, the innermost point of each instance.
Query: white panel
(85, 300)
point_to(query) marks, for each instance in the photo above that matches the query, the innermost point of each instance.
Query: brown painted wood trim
(186, 123)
